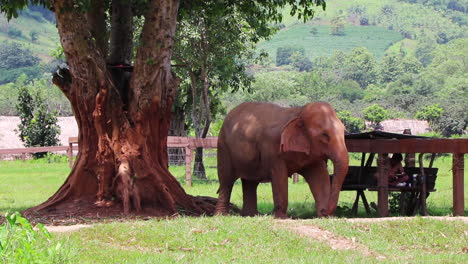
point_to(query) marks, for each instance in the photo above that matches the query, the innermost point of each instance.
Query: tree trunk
(199, 167)
(122, 165)
(177, 128)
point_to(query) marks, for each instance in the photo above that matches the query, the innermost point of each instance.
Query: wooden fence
(24, 151)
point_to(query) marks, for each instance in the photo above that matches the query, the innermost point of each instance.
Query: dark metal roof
(380, 135)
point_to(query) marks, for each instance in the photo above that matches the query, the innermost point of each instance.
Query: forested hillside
(402, 59)
(386, 58)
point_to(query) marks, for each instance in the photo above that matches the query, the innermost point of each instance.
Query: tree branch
(96, 17)
(121, 37)
(153, 81)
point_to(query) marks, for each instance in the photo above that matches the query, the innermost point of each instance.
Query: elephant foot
(279, 215)
(322, 213)
(221, 210)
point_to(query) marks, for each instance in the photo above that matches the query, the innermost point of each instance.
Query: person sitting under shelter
(396, 173)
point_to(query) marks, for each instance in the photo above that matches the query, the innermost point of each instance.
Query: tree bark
(122, 162)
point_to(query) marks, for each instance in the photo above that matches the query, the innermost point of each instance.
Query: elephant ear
(293, 137)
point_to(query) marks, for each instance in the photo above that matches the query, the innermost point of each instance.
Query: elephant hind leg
(226, 176)
(249, 189)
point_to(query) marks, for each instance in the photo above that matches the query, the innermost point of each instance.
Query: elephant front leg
(279, 184)
(249, 189)
(319, 183)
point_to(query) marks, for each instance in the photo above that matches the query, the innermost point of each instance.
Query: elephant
(264, 142)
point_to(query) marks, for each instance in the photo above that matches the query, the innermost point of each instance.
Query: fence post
(188, 166)
(70, 155)
(23, 156)
(295, 177)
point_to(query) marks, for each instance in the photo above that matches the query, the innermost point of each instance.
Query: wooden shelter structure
(382, 143)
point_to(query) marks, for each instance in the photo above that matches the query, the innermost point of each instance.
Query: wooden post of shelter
(410, 158)
(458, 181)
(422, 195)
(382, 183)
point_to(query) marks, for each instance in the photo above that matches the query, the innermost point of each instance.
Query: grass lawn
(234, 239)
(265, 240)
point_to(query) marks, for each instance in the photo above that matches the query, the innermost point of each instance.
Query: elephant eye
(326, 136)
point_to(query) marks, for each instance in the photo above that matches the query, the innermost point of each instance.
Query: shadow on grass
(306, 210)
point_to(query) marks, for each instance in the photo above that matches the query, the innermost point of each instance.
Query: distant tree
(390, 68)
(300, 62)
(352, 124)
(350, 90)
(34, 35)
(430, 113)
(458, 5)
(375, 114)
(38, 126)
(314, 31)
(14, 32)
(425, 46)
(337, 26)
(402, 86)
(284, 54)
(411, 64)
(360, 65)
(8, 96)
(14, 55)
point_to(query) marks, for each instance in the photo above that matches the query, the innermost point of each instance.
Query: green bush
(14, 55)
(375, 114)
(284, 54)
(38, 125)
(10, 75)
(352, 124)
(20, 242)
(14, 32)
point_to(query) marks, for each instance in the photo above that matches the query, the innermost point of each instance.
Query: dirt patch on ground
(335, 242)
(63, 229)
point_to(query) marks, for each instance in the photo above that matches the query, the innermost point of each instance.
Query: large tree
(122, 96)
(213, 59)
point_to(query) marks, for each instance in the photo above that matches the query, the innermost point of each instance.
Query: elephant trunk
(340, 161)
